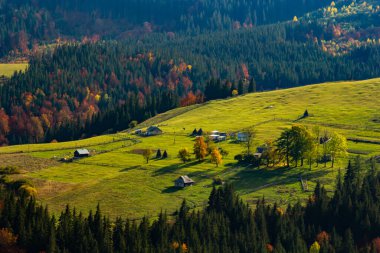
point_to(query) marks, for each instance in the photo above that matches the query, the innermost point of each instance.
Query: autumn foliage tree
(147, 154)
(4, 127)
(184, 155)
(216, 157)
(200, 148)
(7, 238)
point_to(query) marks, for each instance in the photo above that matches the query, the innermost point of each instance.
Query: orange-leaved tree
(200, 148)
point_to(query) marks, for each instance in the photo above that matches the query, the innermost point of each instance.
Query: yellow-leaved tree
(315, 248)
(337, 147)
(184, 155)
(200, 148)
(216, 157)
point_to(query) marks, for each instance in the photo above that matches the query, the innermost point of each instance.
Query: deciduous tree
(216, 157)
(147, 153)
(184, 155)
(337, 147)
(200, 148)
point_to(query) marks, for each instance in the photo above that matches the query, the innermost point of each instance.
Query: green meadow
(8, 69)
(117, 177)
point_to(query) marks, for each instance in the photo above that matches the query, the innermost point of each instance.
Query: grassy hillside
(117, 177)
(8, 69)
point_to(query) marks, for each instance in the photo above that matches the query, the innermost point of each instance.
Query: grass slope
(118, 178)
(8, 69)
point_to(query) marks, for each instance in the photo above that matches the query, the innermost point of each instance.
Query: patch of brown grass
(48, 189)
(25, 162)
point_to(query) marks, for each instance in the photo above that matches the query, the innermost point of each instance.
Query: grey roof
(153, 128)
(186, 179)
(82, 151)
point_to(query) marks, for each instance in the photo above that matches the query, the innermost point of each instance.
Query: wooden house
(81, 153)
(153, 130)
(183, 181)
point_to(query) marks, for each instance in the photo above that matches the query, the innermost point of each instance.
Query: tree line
(346, 222)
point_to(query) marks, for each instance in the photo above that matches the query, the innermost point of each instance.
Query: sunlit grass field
(8, 69)
(118, 178)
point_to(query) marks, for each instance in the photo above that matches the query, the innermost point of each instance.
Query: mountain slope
(119, 179)
(26, 23)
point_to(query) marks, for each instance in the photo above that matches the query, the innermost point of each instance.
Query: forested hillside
(24, 23)
(85, 89)
(168, 53)
(347, 222)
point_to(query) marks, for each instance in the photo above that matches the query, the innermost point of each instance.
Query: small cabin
(242, 136)
(213, 137)
(153, 130)
(138, 131)
(183, 181)
(81, 153)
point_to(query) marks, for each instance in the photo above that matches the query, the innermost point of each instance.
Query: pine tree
(252, 86)
(158, 154)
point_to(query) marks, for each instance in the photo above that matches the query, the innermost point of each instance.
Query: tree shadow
(174, 167)
(130, 168)
(250, 180)
(171, 189)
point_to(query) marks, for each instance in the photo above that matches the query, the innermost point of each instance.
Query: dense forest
(83, 89)
(347, 222)
(25, 23)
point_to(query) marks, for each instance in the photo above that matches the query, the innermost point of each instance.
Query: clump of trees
(201, 150)
(295, 146)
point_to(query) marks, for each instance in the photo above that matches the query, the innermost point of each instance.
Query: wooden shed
(81, 153)
(183, 181)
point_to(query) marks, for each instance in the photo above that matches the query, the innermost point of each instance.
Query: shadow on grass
(250, 180)
(175, 167)
(130, 168)
(171, 189)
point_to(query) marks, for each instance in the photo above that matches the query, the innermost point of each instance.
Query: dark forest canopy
(347, 222)
(24, 23)
(86, 89)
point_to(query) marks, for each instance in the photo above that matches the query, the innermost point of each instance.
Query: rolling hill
(117, 177)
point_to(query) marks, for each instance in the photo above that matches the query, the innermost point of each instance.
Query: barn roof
(82, 151)
(186, 179)
(153, 128)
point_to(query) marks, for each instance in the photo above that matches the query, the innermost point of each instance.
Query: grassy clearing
(8, 69)
(121, 181)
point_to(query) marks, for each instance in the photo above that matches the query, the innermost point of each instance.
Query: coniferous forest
(23, 23)
(81, 90)
(346, 222)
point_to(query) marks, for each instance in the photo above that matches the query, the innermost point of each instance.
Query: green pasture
(8, 69)
(117, 177)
